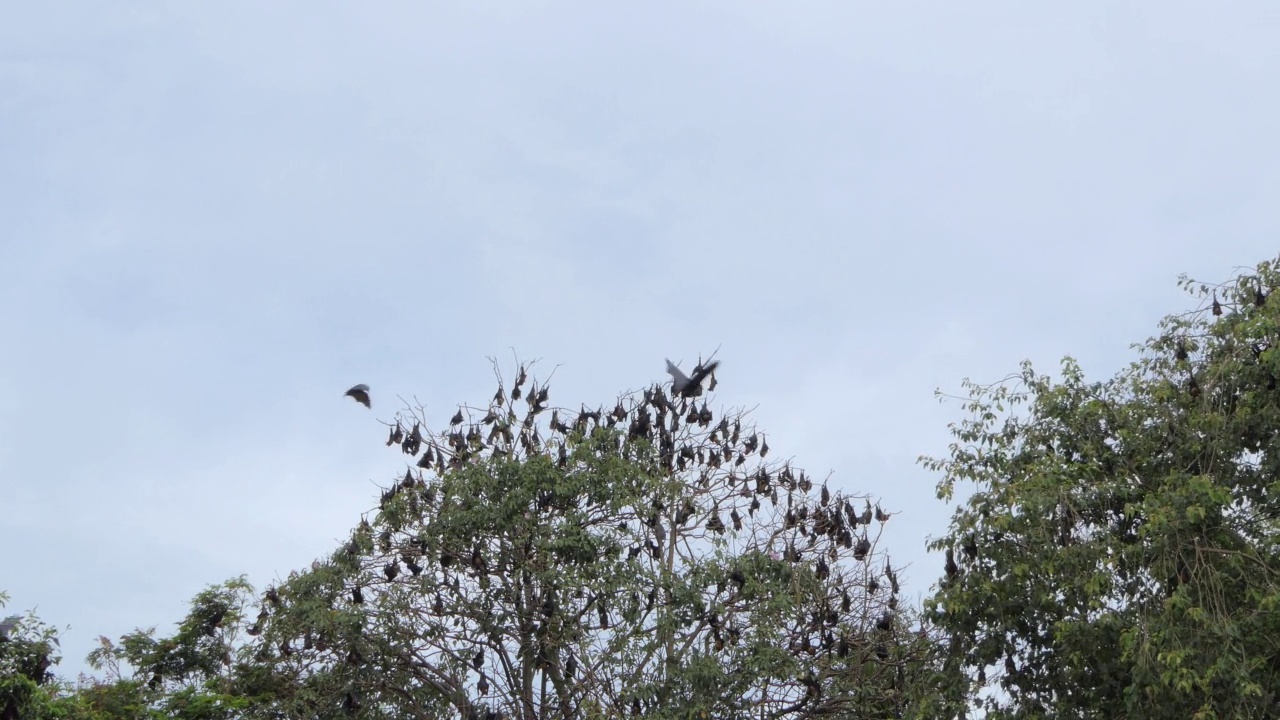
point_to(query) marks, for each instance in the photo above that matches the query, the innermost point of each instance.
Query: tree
(1119, 555)
(27, 651)
(204, 671)
(651, 559)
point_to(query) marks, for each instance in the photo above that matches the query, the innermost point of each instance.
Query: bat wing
(679, 380)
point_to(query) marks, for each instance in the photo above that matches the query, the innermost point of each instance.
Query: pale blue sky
(217, 218)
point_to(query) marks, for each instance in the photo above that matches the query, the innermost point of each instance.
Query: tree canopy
(655, 558)
(1118, 555)
(1114, 553)
(652, 559)
(28, 649)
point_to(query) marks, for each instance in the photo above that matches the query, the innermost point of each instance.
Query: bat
(360, 393)
(690, 385)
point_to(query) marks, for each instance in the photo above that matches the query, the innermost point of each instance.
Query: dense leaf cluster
(1119, 554)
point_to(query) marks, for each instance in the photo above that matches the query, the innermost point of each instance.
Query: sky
(218, 217)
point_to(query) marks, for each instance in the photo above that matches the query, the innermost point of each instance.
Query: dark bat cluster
(774, 515)
(1248, 295)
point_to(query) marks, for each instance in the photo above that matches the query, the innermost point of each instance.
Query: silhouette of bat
(360, 393)
(690, 385)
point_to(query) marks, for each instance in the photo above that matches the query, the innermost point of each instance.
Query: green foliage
(27, 652)
(204, 671)
(647, 558)
(1119, 555)
(644, 560)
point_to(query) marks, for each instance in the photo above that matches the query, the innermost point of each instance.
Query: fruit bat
(360, 393)
(689, 385)
(861, 548)
(1180, 350)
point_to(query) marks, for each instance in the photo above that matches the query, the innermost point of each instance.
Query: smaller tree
(203, 671)
(28, 649)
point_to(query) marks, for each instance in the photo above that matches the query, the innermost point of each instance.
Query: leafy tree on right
(1119, 557)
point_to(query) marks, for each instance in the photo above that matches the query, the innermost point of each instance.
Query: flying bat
(690, 385)
(360, 393)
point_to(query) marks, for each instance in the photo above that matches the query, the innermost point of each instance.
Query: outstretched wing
(679, 381)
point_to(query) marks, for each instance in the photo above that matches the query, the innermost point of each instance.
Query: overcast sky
(214, 218)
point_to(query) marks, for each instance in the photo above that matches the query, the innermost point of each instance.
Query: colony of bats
(767, 513)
